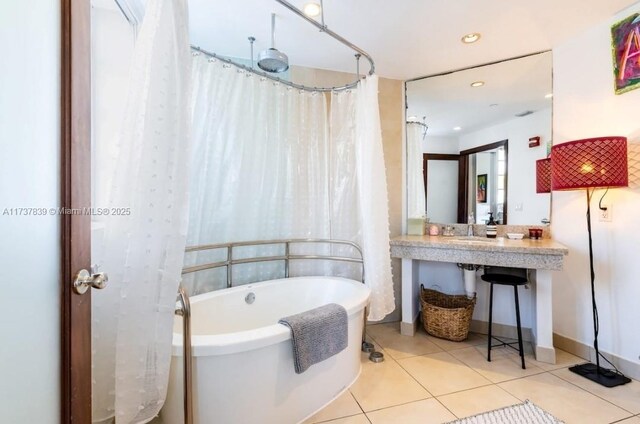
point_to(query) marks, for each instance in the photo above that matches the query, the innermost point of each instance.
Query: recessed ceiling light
(470, 38)
(548, 96)
(493, 105)
(457, 128)
(312, 9)
(477, 84)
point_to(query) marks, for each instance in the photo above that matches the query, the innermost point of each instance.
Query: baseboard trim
(408, 329)
(545, 354)
(586, 352)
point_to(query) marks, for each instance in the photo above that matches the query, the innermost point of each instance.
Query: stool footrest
(503, 343)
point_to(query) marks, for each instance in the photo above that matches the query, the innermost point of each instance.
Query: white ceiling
(407, 38)
(512, 86)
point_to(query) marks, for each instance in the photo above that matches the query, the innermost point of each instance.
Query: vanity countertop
(525, 253)
(499, 244)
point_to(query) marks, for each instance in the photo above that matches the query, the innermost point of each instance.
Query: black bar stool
(506, 277)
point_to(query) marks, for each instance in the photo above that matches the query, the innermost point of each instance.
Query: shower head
(273, 60)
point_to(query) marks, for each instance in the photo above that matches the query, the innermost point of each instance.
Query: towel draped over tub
(317, 334)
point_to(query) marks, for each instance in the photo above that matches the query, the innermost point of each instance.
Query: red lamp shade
(543, 175)
(593, 162)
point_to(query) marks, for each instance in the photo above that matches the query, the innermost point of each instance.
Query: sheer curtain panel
(373, 200)
(416, 197)
(143, 249)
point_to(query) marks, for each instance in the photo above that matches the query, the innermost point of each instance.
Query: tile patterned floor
(427, 380)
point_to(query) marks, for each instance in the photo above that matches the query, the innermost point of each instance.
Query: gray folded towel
(317, 334)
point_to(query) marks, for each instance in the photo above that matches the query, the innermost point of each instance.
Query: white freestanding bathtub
(243, 369)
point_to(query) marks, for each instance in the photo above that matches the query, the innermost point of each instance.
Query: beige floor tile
(356, 419)
(528, 346)
(496, 351)
(563, 360)
(428, 411)
(386, 384)
(387, 328)
(474, 339)
(476, 401)
(501, 368)
(398, 346)
(344, 406)
(632, 420)
(626, 397)
(440, 373)
(564, 400)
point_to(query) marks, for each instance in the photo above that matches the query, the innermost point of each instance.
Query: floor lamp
(589, 164)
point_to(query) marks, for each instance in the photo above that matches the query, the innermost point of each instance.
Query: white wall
(29, 252)
(521, 190)
(443, 145)
(586, 106)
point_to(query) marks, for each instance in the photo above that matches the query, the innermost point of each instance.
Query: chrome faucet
(470, 227)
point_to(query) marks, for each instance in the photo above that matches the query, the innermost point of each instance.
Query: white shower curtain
(259, 168)
(143, 245)
(374, 204)
(416, 198)
(269, 163)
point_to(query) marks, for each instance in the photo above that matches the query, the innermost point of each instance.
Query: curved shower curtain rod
(323, 28)
(422, 124)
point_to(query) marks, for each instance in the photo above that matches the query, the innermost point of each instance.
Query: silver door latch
(84, 280)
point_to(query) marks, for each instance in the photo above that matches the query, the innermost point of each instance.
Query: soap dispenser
(492, 229)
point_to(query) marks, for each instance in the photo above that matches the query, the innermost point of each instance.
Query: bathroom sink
(472, 240)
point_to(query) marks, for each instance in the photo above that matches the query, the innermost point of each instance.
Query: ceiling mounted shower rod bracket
(323, 27)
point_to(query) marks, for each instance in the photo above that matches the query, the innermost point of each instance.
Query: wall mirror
(473, 137)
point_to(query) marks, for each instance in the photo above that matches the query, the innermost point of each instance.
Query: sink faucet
(470, 227)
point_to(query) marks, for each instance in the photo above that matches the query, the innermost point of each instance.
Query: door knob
(84, 280)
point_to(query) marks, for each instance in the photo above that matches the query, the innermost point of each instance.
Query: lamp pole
(593, 286)
(595, 373)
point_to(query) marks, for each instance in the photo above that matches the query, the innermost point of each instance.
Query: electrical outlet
(604, 215)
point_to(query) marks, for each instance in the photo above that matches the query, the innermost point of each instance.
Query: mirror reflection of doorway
(486, 183)
(472, 182)
(442, 179)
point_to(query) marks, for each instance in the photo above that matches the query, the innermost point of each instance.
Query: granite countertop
(504, 245)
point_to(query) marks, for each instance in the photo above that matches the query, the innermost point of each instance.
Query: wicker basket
(446, 316)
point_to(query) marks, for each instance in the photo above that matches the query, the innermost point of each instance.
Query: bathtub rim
(247, 340)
